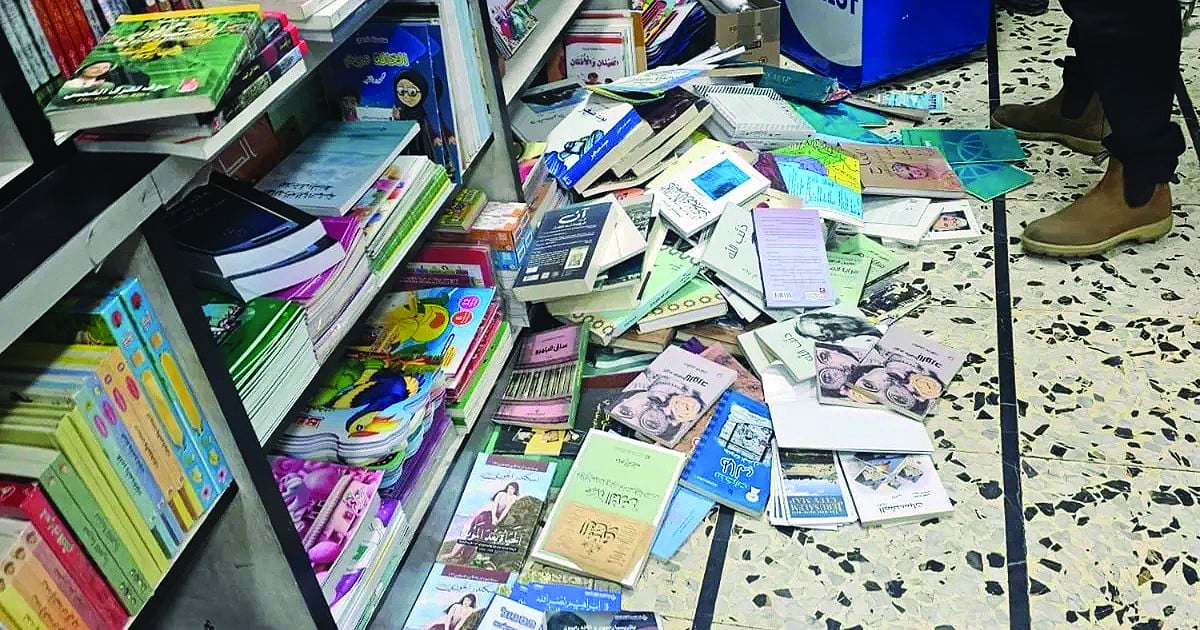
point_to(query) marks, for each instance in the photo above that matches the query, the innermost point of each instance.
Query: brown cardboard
(757, 29)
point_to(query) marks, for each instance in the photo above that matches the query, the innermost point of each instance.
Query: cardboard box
(757, 29)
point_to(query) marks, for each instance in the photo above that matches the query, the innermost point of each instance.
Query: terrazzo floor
(1104, 529)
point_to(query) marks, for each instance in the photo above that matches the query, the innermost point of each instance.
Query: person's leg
(1073, 116)
(1130, 52)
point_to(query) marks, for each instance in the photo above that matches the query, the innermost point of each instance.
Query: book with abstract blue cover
(968, 146)
(989, 180)
(732, 462)
(386, 71)
(587, 140)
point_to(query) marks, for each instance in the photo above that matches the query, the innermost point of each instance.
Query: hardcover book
(907, 372)
(671, 395)
(158, 64)
(893, 488)
(732, 463)
(544, 387)
(604, 520)
(455, 597)
(897, 170)
(494, 522)
(791, 254)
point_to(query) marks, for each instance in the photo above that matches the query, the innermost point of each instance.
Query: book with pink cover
(344, 230)
(544, 388)
(745, 383)
(469, 265)
(328, 502)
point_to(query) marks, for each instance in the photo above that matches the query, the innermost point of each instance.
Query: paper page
(791, 249)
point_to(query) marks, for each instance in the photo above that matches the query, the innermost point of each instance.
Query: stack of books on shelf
(107, 462)
(143, 89)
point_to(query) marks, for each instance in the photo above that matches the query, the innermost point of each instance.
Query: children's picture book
(732, 463)
(593, 58)
(988, 180)
(328, 503)
(791, 341)
(507, 614)
(608, 511)
(836, 367)
(893, 488)
(791, 255)
(455, 597)
(953, 221)
(967, 146)
(430, 327)
(544, 387)
(157, 64)
(671, 395)
(694, 198)
(498, 513)
(512, 21)
(897, 170)
(811, 490)
(907, 372)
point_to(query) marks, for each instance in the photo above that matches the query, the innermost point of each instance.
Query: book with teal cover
(732, 463)
(607, 513)
(158, 64)
(431, 327)
(968, 146)
(989, 180)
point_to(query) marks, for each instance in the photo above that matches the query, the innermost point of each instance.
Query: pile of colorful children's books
(107, 462)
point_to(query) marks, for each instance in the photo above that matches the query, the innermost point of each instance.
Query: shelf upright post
(253, 571)
(496, 173)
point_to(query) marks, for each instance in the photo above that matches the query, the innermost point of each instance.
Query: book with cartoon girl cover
(494, 522)
(671, 395)
(907, 372)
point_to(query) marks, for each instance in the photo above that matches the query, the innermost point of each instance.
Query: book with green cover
(672, 269)
(156, 65)
(967, 146)
(251, 333)
(424, 207)
(884, 262)
(58, 480)
(698, 300)
(608, 511)
(848, 273)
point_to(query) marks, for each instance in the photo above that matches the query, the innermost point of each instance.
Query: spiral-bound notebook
(753, 115)
(732, 462)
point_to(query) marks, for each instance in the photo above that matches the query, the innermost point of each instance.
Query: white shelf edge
(11, 169)
(199, 526)
(347, 20)
(531, 55)
(348, 318)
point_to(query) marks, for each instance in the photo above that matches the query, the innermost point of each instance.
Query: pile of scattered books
(107, 463)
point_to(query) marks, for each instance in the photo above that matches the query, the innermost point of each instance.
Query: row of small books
(106, 461)
(50, 40)
(276, 49)
(184, 80)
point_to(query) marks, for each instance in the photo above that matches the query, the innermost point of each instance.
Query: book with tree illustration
(494, 523)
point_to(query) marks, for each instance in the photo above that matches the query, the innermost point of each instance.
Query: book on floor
(907, 372)
(836, 367)
(731, 464)
(891, 300)
(905, 171)
(544, 388)
(848, 275)
(594, 528)
(697, 301)
(568, 252)
(902, 219)
(791, 341)
(968, 146)
(810, 490)
(693, 198)
(671, 395)
(952, 221)
(757, 116)
(685, 513)
(453, 594)
(894, 488)
(791, 254)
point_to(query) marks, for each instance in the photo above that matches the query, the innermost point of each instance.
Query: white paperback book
(694, 198)
(803, 422)
(894, 487)
(952, 221)
(791, 341)
(902, 219)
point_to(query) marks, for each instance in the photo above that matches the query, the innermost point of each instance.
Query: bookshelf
(66, 212)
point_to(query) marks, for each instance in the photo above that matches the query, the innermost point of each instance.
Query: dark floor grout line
(1010, 441)
(1189, 112)
(710, 585)
(1085, 462)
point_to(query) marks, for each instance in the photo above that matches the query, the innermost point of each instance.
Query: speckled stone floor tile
(1133, 278)
(672, 587)
(1119, 389)
(957, 274)
(675, 623)
(947, 573)
(1111, 546)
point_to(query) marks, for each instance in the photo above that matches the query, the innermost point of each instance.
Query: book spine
(66, 585)
(53, 34)
(253, 80)
(17, 608)
(198, 445)
(21, 43)
(65, 23)
(98, 534)
(34, 583)
(40, 39)
(109, 12)
(93, 19)
(447, 120)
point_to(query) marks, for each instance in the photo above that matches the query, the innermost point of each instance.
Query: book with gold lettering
(605, 517)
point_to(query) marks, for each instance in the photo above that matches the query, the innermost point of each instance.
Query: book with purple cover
(344, 230)
(544, 388)
(792, 258)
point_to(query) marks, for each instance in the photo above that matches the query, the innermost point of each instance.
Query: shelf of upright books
(530, 55)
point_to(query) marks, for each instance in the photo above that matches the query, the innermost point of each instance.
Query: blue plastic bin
(863, 42)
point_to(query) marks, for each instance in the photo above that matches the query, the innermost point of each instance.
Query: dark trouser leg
(1130, 52)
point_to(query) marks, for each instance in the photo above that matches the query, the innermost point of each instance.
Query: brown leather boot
(1100, 220)
(1045, 121)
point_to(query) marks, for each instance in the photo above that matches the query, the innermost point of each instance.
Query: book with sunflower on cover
(156, 65)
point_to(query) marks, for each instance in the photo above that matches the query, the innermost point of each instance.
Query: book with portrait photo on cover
(905, 171)
(907, 372)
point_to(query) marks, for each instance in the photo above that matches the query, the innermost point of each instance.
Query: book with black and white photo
(891, 488)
